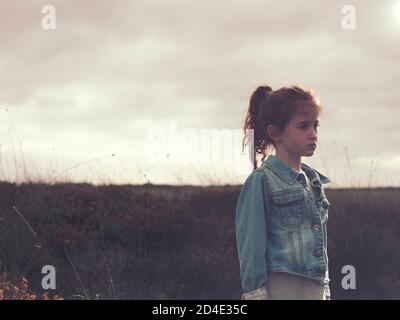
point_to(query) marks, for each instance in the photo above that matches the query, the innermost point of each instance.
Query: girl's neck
(290, 160)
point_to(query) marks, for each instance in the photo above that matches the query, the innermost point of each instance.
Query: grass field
(165, 242)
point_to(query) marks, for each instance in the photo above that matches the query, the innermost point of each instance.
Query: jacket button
(315, 227)
(317, 253)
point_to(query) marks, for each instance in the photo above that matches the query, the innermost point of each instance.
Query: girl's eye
(305, 126)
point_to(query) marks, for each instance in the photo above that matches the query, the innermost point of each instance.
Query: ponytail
(252, 121)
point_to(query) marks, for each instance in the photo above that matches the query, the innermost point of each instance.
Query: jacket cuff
(257, 294)
(327, 292)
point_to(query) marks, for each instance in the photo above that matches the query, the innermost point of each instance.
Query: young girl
(282, 209)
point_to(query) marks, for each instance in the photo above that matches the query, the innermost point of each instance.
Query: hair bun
(264, 89)
(259, 94)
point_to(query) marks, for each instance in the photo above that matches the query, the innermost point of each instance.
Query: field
(165, 242)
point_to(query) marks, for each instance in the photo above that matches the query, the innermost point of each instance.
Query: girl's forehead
(305, 118)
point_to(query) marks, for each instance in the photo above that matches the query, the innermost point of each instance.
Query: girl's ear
(273, 132)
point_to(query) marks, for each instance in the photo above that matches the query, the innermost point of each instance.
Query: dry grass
(134, 242)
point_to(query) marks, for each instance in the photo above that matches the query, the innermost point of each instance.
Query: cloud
(112, 70)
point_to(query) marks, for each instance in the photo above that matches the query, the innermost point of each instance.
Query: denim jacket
(280, 227)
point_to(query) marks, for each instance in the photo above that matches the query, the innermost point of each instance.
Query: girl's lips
(312, 146)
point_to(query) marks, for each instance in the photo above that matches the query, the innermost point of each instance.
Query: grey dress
(285, 286)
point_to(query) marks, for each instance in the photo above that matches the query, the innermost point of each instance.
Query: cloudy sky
(137, 91)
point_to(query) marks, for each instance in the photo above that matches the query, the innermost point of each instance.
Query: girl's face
(300, 135)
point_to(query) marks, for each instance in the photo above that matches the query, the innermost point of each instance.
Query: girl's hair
(268, 107)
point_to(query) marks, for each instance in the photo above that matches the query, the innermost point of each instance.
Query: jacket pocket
(290, 207)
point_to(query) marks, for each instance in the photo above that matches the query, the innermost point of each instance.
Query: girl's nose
(314, 133)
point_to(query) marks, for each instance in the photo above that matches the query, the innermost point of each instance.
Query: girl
(282, 209)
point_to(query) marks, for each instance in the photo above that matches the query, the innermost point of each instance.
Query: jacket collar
(290, 175)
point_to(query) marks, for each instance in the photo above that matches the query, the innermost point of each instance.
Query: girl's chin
(308, 153)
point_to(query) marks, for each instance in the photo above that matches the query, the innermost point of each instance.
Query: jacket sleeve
(251, 237)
